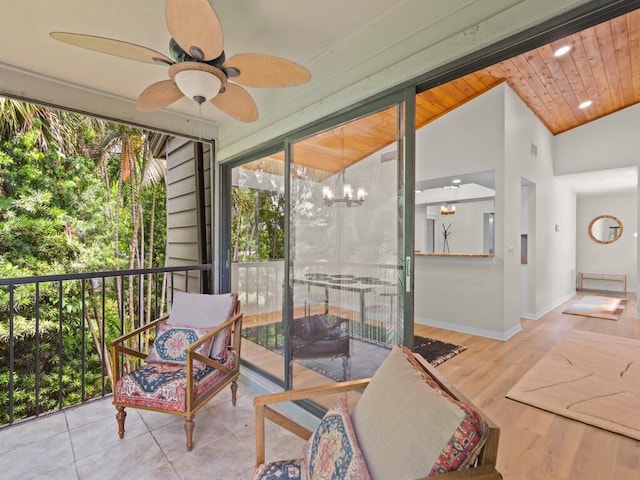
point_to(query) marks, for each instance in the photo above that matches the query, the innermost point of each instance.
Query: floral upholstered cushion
(172, 342)
(332, 452)
(280, 470)
(164, 385)
(403, 405)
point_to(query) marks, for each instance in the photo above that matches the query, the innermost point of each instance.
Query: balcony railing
(55, 331)
(369, 303)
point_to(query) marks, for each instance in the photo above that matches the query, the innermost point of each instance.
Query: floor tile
(103, 434)
(227, 457)
(30, 431)
(90, 412)
(68, 472)
(172, 438)
(155, 420)
(37, 458)
(83, 444)
(139, 458)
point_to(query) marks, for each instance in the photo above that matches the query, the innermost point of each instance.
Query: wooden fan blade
(195, 27)
(158, 95)
(259, 70)
(110, 46)
(236, 102)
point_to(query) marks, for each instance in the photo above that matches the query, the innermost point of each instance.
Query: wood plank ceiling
(603, 66)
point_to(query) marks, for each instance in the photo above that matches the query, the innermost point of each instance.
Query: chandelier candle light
(332, 199)
(447, 209)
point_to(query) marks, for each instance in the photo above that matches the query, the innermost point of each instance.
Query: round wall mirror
(605, 229)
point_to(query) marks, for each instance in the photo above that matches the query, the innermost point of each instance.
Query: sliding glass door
(257, 252)
(346, 249)
(321, 247)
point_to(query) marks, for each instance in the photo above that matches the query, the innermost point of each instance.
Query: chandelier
(447, 209)
(342, 193)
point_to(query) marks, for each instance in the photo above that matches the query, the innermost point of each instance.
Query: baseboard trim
(479, 332)
(538, 315)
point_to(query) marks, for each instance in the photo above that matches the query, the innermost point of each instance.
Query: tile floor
(82, 443)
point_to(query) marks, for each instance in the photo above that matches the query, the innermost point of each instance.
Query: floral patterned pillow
(279, 470)
(332, 452)
(172, 342)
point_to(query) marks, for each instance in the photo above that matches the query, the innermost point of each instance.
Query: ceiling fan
(199, 69)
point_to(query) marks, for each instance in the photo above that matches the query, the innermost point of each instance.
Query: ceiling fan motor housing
(179, 55)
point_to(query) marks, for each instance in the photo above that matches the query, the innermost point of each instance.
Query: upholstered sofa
(409, 423)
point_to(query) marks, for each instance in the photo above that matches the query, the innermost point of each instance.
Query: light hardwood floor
(535, 444)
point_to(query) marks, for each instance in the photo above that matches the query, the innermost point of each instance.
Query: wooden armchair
(196, 353)
(481, 461)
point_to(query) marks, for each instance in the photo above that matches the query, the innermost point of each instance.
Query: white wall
(617, 257)
(465, 227)
(607, 143)
(468, 139)
(551, 234)
(420, 227)
(495, 131)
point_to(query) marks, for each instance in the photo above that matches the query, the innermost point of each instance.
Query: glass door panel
(346, 249)
(257, 260)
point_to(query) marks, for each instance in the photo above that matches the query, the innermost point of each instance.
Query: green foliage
(65, 207)
(257, 225)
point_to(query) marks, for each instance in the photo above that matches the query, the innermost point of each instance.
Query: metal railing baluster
(103, 339)
(84, 339)
(60, 361)
(37, 337)
(11, 347)
(37, 304)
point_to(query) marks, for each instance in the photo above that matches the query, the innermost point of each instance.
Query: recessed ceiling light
(585, 104)
(456, 181)
(562, 51)
(418, 191)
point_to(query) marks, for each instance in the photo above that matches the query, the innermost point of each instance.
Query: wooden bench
(603, 277)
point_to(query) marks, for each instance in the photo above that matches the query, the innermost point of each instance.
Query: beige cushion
(405, 426)
(202, 311)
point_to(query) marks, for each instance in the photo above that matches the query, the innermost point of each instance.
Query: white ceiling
(353, 49)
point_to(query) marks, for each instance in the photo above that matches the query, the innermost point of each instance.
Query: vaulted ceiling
(603, 66)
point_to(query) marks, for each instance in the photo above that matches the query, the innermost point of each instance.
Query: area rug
(434, 351)
(599, 307)
(365, 356)
(588, 377)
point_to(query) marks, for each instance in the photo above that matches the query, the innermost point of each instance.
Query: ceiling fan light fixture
(198, 81)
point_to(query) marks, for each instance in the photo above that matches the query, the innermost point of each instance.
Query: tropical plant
(257, 224)
(76, 195)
